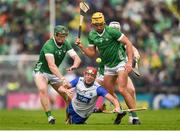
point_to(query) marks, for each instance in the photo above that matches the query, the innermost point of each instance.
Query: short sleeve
(69, 46)
(115, 33)
(90, 39)
(74, 82)
(48, 48)
(101, 91)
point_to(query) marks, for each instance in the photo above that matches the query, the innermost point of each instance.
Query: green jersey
(112, 52)
(51, 47)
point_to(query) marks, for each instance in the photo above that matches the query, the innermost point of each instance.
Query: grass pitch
(36, 120)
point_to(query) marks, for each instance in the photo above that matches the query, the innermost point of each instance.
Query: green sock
(133, 114)
(48, 113)
(130, 113)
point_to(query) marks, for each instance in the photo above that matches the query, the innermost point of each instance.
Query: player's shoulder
(110, 29)
(67, 45)
(96, 84)
(67, 42)
(92, 33)
(49, 42)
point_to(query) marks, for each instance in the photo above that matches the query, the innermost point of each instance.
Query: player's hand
(116, 110)
(128, 67)
(65, 83)
(71, 68)
(78, 42)
(68, 92)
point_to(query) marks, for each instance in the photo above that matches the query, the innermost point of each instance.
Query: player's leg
(131, 88)
(109, 83)
(64, 96)
(52, 97)
(42, 85)
(123, 89)
(133, 119)
(67, 100)
(73, 117)
(56, 84)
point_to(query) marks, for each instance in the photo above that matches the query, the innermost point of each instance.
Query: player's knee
(122, 90)
(133, 91)
(42, 91)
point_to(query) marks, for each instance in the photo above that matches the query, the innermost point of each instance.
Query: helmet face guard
(97, 18)
(62, 30)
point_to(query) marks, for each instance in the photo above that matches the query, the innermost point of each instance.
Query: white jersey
(84, 99)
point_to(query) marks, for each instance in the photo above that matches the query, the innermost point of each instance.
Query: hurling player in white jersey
(86, 92)
(100, 77)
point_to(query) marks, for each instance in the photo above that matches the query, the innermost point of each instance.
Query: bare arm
(75, 57)
(89, 51)
(129, 48)
(114, 101)
(129, 51)
(77, 61)
(52, 66)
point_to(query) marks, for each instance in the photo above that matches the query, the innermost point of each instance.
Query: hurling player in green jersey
(117, 59)
(46, 70)
(133, 119)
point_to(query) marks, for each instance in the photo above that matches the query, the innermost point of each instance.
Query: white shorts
(116, 69)
(52, 79)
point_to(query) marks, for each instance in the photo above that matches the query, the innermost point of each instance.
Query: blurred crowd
(153, 26)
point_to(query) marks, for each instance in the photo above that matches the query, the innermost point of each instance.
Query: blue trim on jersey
(73, 116)
(101, 91)
(74, 82)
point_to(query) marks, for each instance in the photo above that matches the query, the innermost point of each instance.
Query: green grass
(36, 120)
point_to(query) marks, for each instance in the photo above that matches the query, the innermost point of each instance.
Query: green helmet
(61, 30)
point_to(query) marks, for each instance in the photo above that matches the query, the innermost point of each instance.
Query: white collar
(102, 32)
